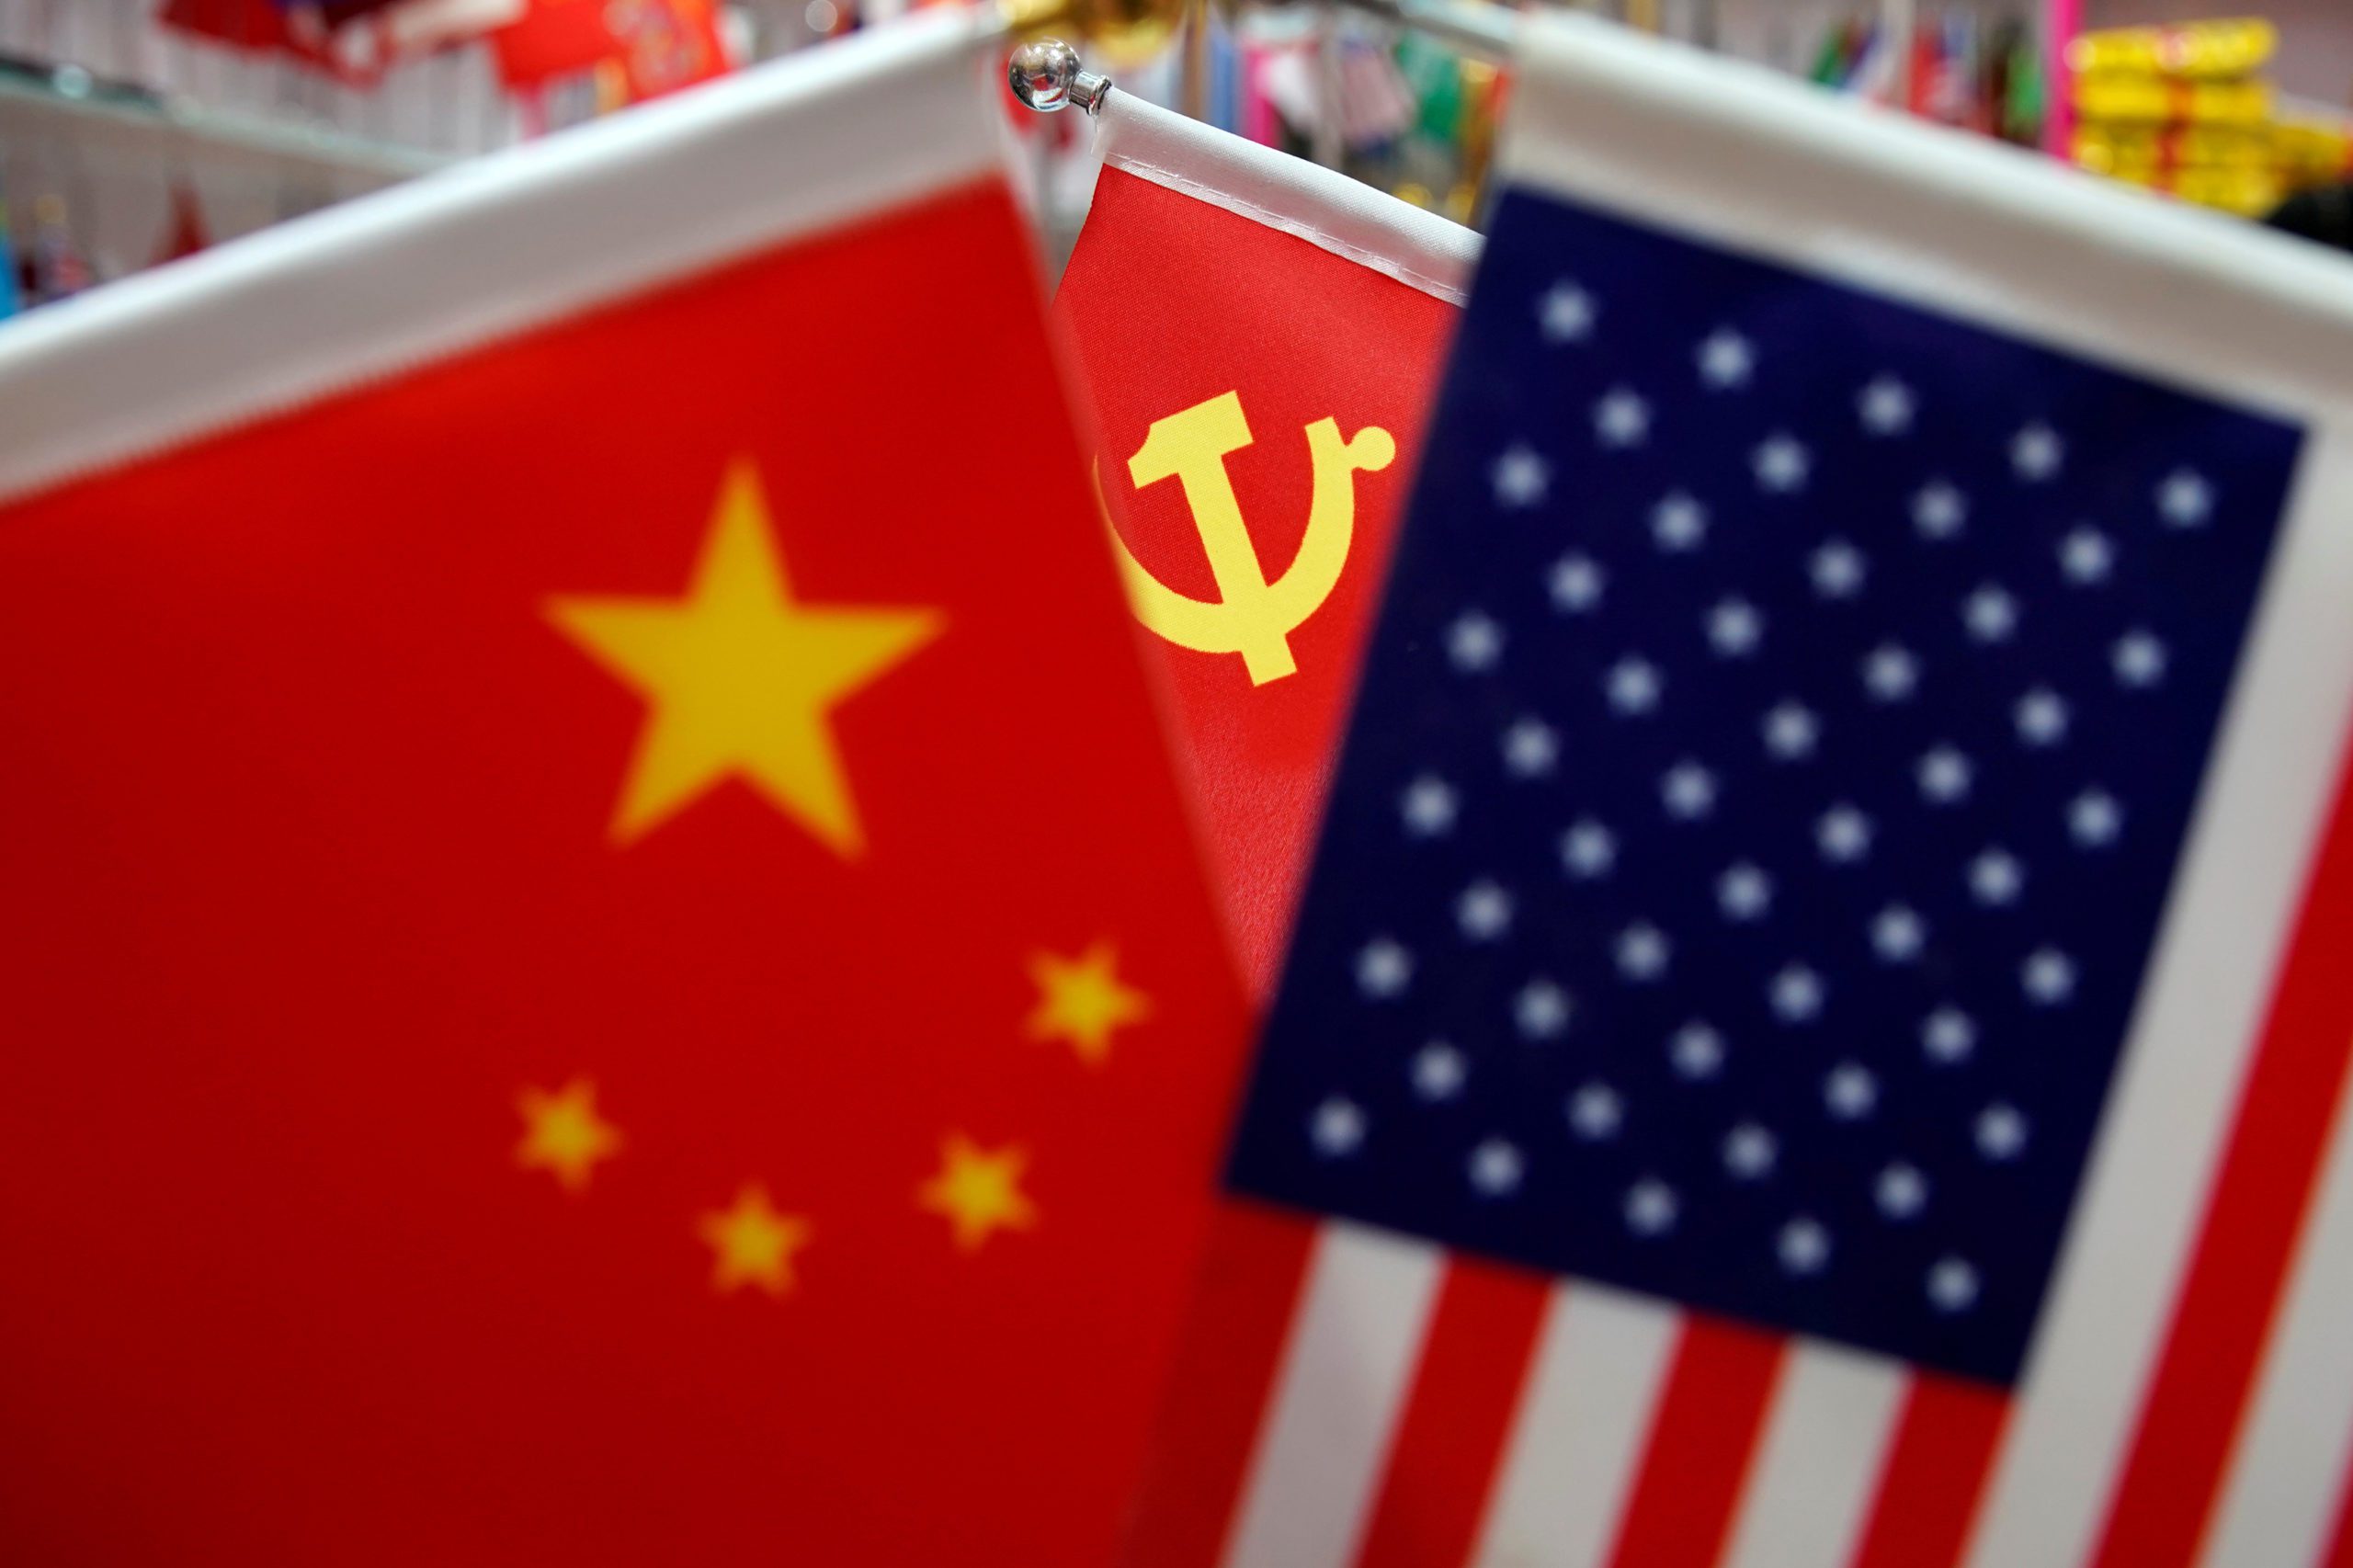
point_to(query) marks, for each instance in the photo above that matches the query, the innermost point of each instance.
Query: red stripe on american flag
(1708, 1418)
(2340, 1550)
(2205, 1375)
(1936, 1471)
(1442, 1461)
(1226, 1363)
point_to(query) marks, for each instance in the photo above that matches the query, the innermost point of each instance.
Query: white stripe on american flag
(1354, 1342)
(1815, 1474)
(1578, 1438)
(2197, 1019)
(2282, 1493)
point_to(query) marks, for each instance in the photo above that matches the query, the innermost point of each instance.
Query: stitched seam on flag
(1308, 232)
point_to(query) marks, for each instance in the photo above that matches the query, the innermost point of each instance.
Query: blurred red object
(659, 45)
(255, 25)
(354, 40)
(186, 235)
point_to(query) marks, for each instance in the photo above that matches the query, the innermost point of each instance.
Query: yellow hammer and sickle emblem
(1251, 616)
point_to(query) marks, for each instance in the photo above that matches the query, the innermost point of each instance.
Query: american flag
(1792, 772)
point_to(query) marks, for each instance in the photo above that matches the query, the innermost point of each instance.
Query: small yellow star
(979, 1192)
(740, 679)
(752, 1244)
(1082, 1000)
(562, 1132)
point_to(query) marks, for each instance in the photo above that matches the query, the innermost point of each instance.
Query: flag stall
(118, 177)
(1660, 884)
(121, 118)
(1397, 97)
(378, 88)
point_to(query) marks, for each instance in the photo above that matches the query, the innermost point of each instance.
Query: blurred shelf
(37, 101)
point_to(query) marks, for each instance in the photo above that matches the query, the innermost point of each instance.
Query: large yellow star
(979, 1192)
(751, 1244)
(1082, 1000)
(562, 1132)
(739, 678)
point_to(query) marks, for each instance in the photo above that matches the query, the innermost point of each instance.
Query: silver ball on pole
(1045, 75)
(1042, 72)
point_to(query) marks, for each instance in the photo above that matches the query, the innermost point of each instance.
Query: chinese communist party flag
(602, 962)
(1260, 338)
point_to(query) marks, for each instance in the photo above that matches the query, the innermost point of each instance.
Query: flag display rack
(70, 99)
(1483, 31)
(1046, 75)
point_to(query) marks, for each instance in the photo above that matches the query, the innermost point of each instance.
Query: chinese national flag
(1226, 300)
(602, 963)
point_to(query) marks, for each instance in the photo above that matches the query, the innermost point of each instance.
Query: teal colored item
(10, 303)
(1435, 74)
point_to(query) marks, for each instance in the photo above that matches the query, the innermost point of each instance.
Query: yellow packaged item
(2249, 192)
(2201, 50)
(2100, 144)
(2310, 150)
(2116, 96)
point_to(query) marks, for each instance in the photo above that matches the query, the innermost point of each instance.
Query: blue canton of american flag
(1760, 807)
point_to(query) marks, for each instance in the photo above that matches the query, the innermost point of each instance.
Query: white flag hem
(492, 247)
(1761, 163)
(1321, 206)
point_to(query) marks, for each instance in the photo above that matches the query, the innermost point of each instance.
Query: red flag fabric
(244, 24)
(185, 235)
(356, 40)
(1259, 339)
(661, 45)
(603, 962)
(336, 36)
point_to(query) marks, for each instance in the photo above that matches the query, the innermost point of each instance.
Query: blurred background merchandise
(132, 131)
(2193, 110)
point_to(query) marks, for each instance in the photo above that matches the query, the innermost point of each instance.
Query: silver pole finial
(1046, 75)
